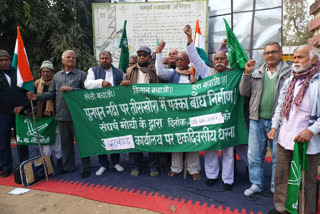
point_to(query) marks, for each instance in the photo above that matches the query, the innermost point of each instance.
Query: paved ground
(35, 202)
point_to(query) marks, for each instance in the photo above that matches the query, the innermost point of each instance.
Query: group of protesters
(284, 108)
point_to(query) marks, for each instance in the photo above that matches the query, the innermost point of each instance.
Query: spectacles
(179, 59)
(143, 54)
(271, 52)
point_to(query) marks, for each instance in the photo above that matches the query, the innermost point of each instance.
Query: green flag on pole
(124, 56)
(298, 164)
(26, 131)
(237, 56)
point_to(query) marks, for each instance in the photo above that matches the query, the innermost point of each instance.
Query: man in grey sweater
(263, 86)
(68, 79)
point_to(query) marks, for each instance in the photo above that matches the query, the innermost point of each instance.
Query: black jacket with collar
(10, 96)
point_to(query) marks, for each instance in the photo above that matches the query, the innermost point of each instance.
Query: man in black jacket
(12, 97)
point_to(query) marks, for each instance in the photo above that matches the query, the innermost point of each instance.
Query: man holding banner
(220, 62)
(143, 72)
(299, 111)
(181, 74)
(102, 76)
(68, 79)
(13, 98)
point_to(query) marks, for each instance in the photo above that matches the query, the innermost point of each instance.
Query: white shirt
(142, 77)
(271, 75)
(166, 73)
(91, 82)
(8, 78)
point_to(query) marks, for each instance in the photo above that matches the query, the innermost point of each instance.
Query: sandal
(196, 177)
(171, 174)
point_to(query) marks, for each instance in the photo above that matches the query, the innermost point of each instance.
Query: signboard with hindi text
(207, 115)
(146, 22)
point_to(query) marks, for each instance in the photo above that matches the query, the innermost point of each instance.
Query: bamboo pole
(38, 139)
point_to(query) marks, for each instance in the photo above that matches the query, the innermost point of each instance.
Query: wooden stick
(38, 138)
(302, 205)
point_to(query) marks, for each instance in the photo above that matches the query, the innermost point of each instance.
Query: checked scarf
(306, 75)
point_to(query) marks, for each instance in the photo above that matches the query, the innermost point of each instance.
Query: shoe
(154, 173)
(135, 172)
(5, 174)
(85, 174)
(227, 187)
(118, 167)
(58, 167)
(101, 170)
(272, 189)
(252, 190)
(211, 182)
(273, 211)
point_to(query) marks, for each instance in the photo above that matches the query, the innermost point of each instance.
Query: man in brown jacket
(142, 72)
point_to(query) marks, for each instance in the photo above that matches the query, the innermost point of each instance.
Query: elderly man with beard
(68, 79)
(220, 62)
(298, 111)
(263, 85)
(181, 74)
(142, 72)
(105, 75)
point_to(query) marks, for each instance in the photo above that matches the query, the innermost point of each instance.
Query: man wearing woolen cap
(13, 98)
(142, 72)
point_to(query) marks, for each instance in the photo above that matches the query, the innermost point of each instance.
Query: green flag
(237, 56)
(124, 56)
(26, 132)
(299, 162)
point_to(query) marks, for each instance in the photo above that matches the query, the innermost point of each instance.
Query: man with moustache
(105, 75)
(263, 86)
(68, 79)
(181, 74)
(142, 72)
(298, 111)
(220, 62)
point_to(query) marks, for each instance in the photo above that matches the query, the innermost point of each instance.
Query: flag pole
(38, 139)
(120, 58)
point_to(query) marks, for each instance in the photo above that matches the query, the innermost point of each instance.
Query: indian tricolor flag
(21, 64)
(199, 44)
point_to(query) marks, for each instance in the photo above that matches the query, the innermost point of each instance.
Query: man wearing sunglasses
(142, 72)
(181, 74)
(263, 85)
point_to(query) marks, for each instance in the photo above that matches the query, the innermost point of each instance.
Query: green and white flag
(299, 163)
(237, 56)
(207, 115)
(26, 132)
(124, 56)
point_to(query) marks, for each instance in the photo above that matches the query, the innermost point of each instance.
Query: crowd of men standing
(284, 108)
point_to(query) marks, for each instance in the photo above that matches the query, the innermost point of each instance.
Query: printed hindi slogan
(207, 115)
